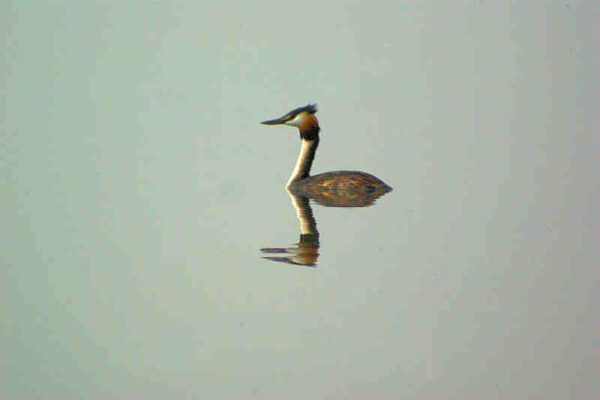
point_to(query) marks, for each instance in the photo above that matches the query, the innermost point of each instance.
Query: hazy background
(137, 187)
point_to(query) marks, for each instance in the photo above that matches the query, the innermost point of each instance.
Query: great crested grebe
(342, 183)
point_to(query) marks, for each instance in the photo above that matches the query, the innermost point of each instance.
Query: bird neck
(305, 159)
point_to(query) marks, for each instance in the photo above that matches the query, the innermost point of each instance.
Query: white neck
(305, 160)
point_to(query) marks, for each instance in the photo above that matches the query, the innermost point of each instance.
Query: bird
(337, 185)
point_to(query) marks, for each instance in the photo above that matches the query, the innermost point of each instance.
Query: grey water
(137, 189)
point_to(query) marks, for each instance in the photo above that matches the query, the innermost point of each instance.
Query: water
(138, 189)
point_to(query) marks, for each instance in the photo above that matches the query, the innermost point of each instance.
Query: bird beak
(277, 121)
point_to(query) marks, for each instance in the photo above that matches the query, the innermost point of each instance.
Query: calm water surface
(138, 189)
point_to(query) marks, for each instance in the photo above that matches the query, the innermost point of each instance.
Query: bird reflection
(306, 251)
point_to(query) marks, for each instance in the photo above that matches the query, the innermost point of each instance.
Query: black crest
(309, 108)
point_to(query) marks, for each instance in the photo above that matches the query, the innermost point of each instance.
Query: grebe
(337, 184)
